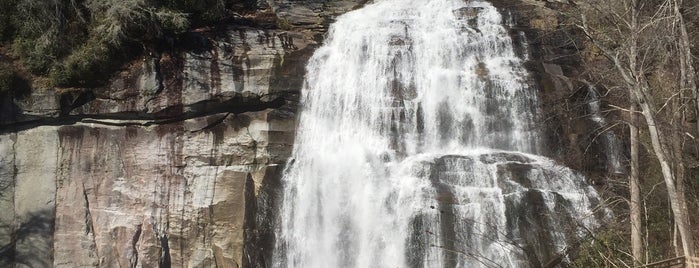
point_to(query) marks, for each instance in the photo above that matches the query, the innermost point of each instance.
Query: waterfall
(610, 142)
(417, 147)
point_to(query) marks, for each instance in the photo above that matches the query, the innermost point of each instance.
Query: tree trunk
(640, 93)
(635, 189)
(677, 145)
(687, 74)
(688, 84)
(679, 211)
(634, 185)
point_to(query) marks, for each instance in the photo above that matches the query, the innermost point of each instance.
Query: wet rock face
(551, 49)
(312, 15)
(527, 204)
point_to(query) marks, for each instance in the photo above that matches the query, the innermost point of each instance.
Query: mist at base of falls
(417, 147)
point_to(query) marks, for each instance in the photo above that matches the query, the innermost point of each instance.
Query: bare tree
(687, 83)
(637, 48)
(635, 190)
(634, 184)
(686, 66)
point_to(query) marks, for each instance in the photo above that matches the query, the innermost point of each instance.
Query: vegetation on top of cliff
(7, 75)
(79, 43)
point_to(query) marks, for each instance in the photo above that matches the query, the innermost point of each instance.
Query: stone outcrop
(545, 206)
(176, 161)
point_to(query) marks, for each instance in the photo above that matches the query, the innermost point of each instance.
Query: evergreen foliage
(80, 42)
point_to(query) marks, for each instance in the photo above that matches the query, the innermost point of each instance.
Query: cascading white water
(610, 142)
(416, 148)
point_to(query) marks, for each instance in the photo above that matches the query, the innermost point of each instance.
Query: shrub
(47, 31)
(86, 66)
(7, 7)
(6, 77)
(605, 248)
(11, 83)
(75, 42)
(118, 22)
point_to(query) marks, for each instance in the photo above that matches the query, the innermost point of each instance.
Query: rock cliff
(176, 160)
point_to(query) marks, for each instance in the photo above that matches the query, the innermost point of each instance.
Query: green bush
(283, 24)
(11, 83)
(6, 77)
(5, 24)
(608, 248)
(86, 66)
(36, 55)
(209, 11)
(46, 31)
(75, 42)
(120, 22)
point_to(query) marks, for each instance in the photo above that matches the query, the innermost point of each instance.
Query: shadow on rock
(31, 242)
